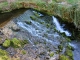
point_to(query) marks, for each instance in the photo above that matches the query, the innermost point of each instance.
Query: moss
(51, 54)
(23, 52)
(24, 42)
(28, 22)
(63, 57)
(60, 47)
(68, 39)
(6, 43)
(48, 25)
(4, 55)
(42, 22)
(36, 14)
(15, 43)
(45, 35)
(3, 52)
(69, 53)
(33, 17)
(70, 47)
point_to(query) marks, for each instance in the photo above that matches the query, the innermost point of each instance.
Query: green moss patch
(4, 55)
(14, 43)
(51, 54)
(63, 57)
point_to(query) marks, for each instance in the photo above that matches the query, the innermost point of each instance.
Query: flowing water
(41, 29)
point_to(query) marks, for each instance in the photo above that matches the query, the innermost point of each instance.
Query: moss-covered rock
(23, 52)
(69, 53)
(4, 55)
(51, 54)
(70, 47)
(33, 17)
(63, 57)
(28, 22)
(14, 43)
(6, 43)
(60, 47)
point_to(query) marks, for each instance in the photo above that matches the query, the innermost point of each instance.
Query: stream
(38, 28)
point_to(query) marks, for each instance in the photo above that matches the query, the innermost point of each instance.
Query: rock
(47, 57)
(28, 22)
(15, 28)
(1, 33)
(1, 41)
(7, 32)
(55, 57)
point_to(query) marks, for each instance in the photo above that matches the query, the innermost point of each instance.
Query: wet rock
(1, 41)
(47, 57)
(1, 33)
(55, 57)
(15, 28)
(28, 22)
(12, 51)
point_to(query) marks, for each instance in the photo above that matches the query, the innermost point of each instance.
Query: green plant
(63, 57)
(23, 52)
(15, 43)
(36, 14)
(28, 22)
(6, 43)
(33, 17)
(69, 53)
(70, 47)
(51, 54)
(4, 55)
(60, 47)
(48, 25)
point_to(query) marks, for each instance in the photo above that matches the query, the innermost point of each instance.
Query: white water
(33, 31)
(59, 28)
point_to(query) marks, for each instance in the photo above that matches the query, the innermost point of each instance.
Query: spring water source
(37, 29)
(41, 29)
(59, 28)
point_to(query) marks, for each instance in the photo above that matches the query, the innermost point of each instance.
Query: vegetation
(14, 43)
(4, 55)
(60, 47)
(6, 43)
(68, 10)
(23, 52)
(68, 13)
(63, 57)
(28, 22)
(51, 54)
(69, 53)
(33, 17)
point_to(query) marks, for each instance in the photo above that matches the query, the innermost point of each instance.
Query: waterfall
(59, 28)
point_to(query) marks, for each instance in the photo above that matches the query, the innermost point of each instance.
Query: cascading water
(39, 31)
(59, 28)
(36, 29)
(74, 44)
